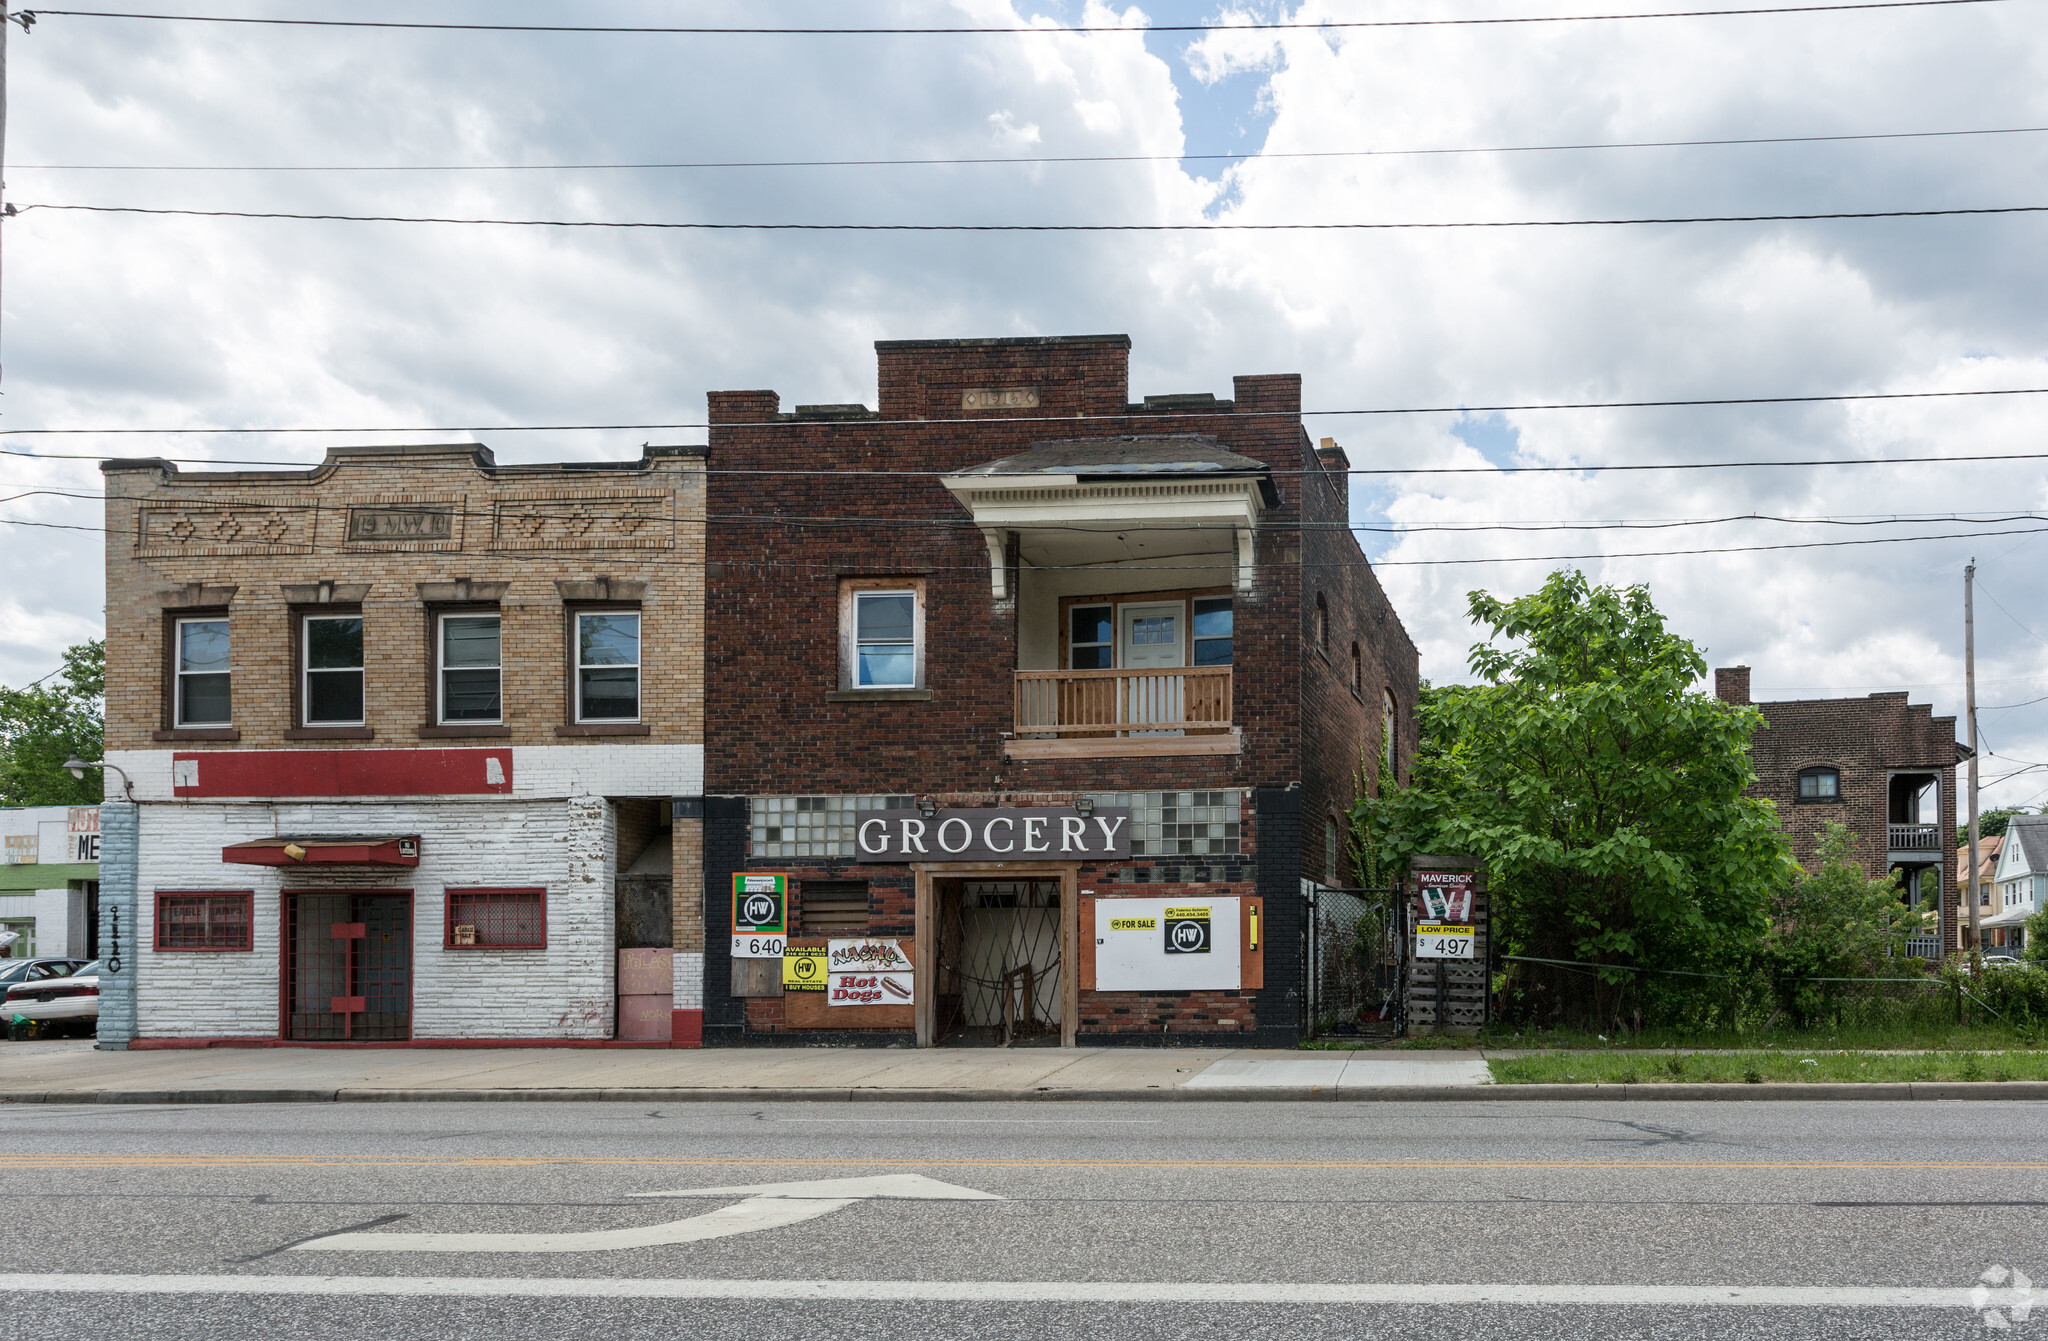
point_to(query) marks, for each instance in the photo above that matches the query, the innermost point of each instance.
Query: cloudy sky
(116, 320)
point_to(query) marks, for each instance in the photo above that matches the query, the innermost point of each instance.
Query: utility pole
(1970, 708)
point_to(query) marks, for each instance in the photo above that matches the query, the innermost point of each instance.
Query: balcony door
(1152, 637)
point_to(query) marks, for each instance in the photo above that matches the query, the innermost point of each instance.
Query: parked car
(13, 971)
(69, 1001)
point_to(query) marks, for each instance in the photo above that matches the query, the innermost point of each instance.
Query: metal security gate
(348, 966)
(1352, 948)
(999, 969)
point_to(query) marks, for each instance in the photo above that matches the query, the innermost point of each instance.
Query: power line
(1026, 159)
(671, 226)
(1175, 415)
(1225, 561)
(1020, 29)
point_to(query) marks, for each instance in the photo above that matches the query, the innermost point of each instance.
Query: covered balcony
(1129, 555)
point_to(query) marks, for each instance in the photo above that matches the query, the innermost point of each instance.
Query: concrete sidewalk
(73, 1072)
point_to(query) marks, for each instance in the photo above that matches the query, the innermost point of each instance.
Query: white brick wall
(689, 980)
(566, 845)
(597, 768)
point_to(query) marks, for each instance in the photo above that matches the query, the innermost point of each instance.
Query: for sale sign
(1444, 896)
(759, 917)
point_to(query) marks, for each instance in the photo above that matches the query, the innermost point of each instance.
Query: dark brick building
(1007, 590)
(1883, 767)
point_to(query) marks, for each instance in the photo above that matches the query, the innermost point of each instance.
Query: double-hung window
(203, 697)
(1091, 644)
(608, 666)
(332, 655)
(1820, 784)
(1213, 627)
(885, 639)
(471, 679)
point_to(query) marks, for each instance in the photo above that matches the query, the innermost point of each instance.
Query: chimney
(1340, 473)
(1731, 684)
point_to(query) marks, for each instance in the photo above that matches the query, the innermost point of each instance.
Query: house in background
(49, 888)
(1987, 864)
(1881, 766)
(2019, 885)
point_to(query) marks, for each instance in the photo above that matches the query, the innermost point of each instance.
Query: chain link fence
(1353, 970)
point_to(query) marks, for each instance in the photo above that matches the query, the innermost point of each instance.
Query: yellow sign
(1134, 924)
(803, 968)
(1201, 910)
(1441, 929)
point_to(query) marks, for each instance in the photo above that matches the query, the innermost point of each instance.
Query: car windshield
(13, 972)
(86, 970)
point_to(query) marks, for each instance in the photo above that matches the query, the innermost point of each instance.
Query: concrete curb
(2026, 1090)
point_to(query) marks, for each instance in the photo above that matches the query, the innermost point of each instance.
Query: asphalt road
(1125, 1221)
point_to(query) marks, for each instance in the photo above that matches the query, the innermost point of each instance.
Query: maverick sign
(1009, 834)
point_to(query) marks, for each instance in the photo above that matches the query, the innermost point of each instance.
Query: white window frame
(178, 673)
(441, 667)
(307, 672)
(851, 589)
(576, 666)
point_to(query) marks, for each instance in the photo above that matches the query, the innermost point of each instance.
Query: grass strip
(1603, 1068)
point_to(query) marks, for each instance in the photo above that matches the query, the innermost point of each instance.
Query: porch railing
(1186, 699)
(1916, 838)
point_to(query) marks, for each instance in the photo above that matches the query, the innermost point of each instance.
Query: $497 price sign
(1438, 940)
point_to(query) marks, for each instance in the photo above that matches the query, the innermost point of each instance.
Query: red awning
(346, 850)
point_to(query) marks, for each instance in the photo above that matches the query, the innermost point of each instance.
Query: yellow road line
(92, 1161)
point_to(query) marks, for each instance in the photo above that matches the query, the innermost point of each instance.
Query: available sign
(803, 968)
(1011, 833)
(1444, 896)
(759, 919)
(868, 972)
(1437, 940)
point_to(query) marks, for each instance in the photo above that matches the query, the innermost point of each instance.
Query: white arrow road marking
(1224, 1293)
(767, 1206)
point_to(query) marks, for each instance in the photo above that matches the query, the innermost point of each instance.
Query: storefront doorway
(1000, 978)
(348, 966)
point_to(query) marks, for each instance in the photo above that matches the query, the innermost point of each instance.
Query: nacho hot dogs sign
(868, 972)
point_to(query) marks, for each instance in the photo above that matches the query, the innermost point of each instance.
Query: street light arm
(76, 768)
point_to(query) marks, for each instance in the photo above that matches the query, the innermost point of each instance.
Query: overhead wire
(661, 225)
(1046, 29)
(1023, 159)
(1080, 424)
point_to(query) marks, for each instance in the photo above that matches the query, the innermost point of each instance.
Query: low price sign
(1441, 940)
(760, 915)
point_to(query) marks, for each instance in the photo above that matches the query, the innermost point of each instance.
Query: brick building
(1883, 767)
(1048, 700)
(403, 732)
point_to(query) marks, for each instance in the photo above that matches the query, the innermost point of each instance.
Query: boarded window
(830, 907)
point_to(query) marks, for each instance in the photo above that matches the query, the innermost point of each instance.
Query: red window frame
(245, 897)
(487, 895)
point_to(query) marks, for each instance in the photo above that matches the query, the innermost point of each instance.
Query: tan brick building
(406, 733)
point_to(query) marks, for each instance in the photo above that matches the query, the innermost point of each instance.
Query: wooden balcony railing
(1191, 700)
(1915, 837)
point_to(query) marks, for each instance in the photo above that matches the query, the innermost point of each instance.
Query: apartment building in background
(1881, 766)
(406, 733)
(1035, 706)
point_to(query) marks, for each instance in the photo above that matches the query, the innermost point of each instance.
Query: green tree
(1604, 794)
(2035, 951)
(1990, 824)
(45, 724)
(1837, 922)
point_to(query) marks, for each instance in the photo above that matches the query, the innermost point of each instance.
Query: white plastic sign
(1167, 945)
(1437, 940)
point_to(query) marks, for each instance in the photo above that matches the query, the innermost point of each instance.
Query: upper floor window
(882, 633)
(202, 660)
(470, 673)
(1820, 784)
(1357, 672)
(1213, 626)
(1387, 741)
(608, 666)
(333, 658)
(1330, 852)
(1091, 637)
(1322, 624)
